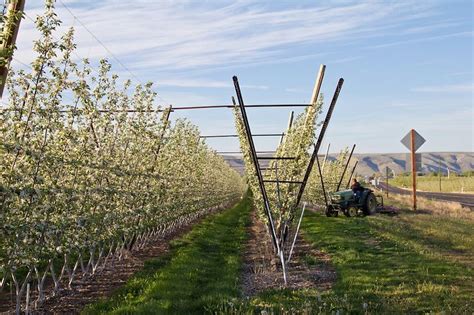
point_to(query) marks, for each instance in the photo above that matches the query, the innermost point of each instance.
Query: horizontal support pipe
(240, 152)
(283, 181)
(102, 111)
(275, 158)
(235, 136)
(232, 106)
(176, 108)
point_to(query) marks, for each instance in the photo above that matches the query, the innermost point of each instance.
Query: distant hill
(375, 163)
(400, 162)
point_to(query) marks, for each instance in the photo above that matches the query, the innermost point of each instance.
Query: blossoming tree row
(90, 167)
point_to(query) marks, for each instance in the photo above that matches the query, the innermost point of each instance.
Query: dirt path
(308, 268)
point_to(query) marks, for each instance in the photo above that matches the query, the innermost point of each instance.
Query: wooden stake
(10, 32)
(413, 166)
(325, 157)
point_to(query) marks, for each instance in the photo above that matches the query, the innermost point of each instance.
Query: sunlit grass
(432, 183)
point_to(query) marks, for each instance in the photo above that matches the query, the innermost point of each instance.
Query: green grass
(410, 263)
(405, 263)
(431, 183)
(202, 268)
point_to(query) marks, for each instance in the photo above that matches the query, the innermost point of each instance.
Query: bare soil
(308, 268)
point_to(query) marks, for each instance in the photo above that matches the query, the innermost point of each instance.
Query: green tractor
(347, 202)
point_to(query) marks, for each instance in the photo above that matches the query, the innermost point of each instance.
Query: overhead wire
(55, 38)
(22, 63)
(134, 77)
(107, 49)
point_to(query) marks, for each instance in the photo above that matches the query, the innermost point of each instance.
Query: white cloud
(431, 27)
(181, 44)
(422, 39)
(450, 88)
(173, 35)
(293, 90)
(347, 59)
(204, 83)
(193, 83)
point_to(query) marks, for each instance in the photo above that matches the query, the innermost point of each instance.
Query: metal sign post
(413, 165)
(413, 141)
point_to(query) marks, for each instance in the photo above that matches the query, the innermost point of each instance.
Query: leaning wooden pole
(320, 140)
(322, 182)
(325, 157)
(345, 168)
(11, 26)
(290, 123)
(165, 121)
(313, 102)
(352, 174)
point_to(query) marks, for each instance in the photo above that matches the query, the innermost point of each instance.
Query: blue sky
(406, 64)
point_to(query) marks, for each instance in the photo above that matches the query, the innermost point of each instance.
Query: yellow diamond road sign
(419, 140)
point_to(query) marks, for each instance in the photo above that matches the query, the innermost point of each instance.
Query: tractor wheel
(330, 212)
(351, 212)
(370, 206)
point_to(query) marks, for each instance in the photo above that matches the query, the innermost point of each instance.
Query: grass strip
(201, 269)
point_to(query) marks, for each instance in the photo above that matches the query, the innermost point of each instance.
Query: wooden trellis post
(11, 25)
